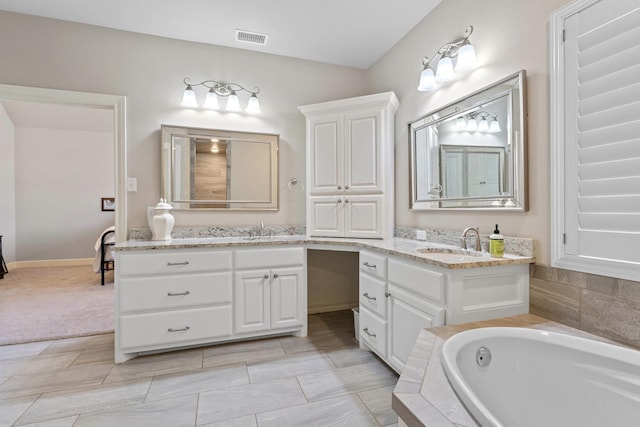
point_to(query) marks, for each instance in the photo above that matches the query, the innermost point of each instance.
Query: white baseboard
(328, 308)
(51, 263)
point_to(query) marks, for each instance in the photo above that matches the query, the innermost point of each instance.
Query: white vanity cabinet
(270, 290)
(350, 160)
(170, 299)
(183, 297)
(400, 297)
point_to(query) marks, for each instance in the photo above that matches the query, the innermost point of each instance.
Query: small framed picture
(108, 204)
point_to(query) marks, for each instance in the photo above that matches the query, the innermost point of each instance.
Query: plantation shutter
(602, 137)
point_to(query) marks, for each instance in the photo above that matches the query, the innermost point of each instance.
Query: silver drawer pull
(170, 294)
(170, 264)
(366, 295)
(275, 276)
(366, 331)
(366, 264)
(266, 276)
(186, 328)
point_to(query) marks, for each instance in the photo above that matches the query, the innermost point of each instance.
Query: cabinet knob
(387, 294)
(266, 276)
(339, 187)
(346, 200)
(339, 201)
(275, 276)
(346, 187)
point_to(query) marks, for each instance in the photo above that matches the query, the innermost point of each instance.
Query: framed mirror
(219, 169)
(471, 154)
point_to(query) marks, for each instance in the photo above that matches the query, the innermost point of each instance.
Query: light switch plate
(132, 184)
(421, 235)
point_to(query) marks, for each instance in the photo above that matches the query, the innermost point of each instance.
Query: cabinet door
(363, 151)
(287, 297)
(363, 216)
(325, 151)
(252, 301)
(408, 315)
(326, 216)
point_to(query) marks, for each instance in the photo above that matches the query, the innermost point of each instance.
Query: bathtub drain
(483, 356)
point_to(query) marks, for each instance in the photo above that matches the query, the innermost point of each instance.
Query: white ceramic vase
(162, 222)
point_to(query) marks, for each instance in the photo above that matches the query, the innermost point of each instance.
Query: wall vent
(251, 37)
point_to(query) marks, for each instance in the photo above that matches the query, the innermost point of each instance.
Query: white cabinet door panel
(287, 302)
(252, 301)
(364, 216)
(326, 216)
(326, 149)
(363, 152)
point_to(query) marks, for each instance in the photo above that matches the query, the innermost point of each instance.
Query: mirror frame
(516, 135)
(168, 131)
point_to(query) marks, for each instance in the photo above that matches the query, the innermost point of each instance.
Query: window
(595, 137)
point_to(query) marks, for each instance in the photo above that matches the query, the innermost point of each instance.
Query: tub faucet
(471, 230)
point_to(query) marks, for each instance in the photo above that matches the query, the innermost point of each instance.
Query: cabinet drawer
(169, 329)
(172, 261)
(373, 331)
(267, 258)
(418, 279)
(373, 264)
(372, 294)
(170, 292)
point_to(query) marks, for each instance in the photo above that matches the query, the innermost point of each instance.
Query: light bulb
(461, 124)
(189, 98)
(253, 105)
(427, 80)
(466, 57)
(472, 125)
(483, 126)
(494, 127)
(211, 101)
(233, 103)
(445, 72)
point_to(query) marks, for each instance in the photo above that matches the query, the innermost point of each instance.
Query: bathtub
(518, 377)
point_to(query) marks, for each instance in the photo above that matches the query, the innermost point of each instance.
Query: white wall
(149, 70)
(508, 36)
(60, 177)
(7, 187)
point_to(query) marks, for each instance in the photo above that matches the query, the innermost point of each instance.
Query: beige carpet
(39, 304)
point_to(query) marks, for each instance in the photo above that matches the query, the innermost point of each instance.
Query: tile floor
(321, 380)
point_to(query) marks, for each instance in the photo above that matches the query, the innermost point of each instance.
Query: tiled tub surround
(423, 395)
(602, 305)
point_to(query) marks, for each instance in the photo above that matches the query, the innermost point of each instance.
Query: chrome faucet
(261, 228)
(464, 238)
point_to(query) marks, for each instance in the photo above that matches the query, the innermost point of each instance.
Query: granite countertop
(452, 258)
(423, 395)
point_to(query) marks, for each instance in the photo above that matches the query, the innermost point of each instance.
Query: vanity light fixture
(464, 53)
(478, 121)
(218, 91)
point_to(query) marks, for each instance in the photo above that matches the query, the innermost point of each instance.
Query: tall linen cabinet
(350, 167)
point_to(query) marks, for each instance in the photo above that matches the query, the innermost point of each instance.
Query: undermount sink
(453, 254)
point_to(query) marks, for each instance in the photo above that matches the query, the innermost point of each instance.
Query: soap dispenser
(496, 244)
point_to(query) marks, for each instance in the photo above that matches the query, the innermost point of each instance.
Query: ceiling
(354, 33)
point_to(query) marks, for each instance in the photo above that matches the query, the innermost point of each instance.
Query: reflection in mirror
(471, 153)
(215, 169)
